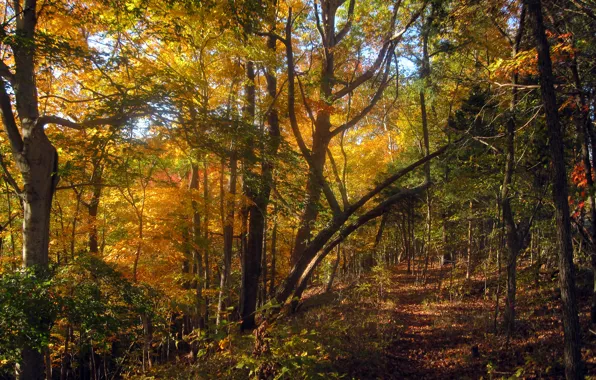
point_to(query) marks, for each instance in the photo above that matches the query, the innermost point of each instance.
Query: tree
(573, 363)
(306, 255)
(35, 156)
(515, 235)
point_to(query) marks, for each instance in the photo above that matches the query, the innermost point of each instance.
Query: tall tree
(572, 353)
(515, 236)
(34, 154)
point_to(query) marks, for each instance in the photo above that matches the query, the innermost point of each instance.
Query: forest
(297, 189)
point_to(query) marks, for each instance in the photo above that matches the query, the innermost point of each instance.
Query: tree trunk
(572, 353)
(139, 248)
(514, 243)
(470, 243)
(259, 193)
(263, 294)
(499, 247)
(407, 243)
(374, 257)
(273, 255)
(196, 250)
(93, 207)
(334, 269)
(593, 306)
(228, 238)
(512, 235)
(585, 132)
(313, 188)
(36, 160)
(321, 136)
(251, 268)
(205, 242)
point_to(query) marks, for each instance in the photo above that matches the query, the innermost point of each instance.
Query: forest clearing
(297, 189)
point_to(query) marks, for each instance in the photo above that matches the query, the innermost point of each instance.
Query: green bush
(28, 305)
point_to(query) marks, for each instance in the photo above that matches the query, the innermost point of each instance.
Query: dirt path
(405, 331)
(414, 331)
(437, 338)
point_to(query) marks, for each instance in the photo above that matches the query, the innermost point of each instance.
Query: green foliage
(293, 355)
(382, 278)
(99, 302)
(28, 306)
(89, 296)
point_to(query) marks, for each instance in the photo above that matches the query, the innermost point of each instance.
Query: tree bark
(572, 347)
(258, 191)
(228, 238)
(273, 255)
(35, 157)
(198, 269)
(263, 293)
(585, 131)
(470, 243)
(334, 269)
(513, 239)
(93, 205)
(205, 242)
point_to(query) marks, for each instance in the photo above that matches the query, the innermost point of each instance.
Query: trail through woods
(412, 330)
(434, 341)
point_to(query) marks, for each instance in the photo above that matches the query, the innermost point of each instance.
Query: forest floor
(391, 325)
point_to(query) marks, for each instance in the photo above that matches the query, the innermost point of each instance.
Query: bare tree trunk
(469, 259)
(514, 244)
(73, 231)
(207, 269)
(198, 270)
(499, 247)
(428, 237)
(424, 76)
(93, 206)
(263, 294)
(593, 306)
(334, 270)
(251, 268)
(407, 242)
(585, 131)
(65, 362)
(412, 237)
(259, 192)
(273, 255)
(375, 260)
(228, 232)
(572, 353)
(35, 158)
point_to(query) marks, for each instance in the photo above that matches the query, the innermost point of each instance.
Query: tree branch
(340, 185)
(329, 194)
(47, 119)
(369, 73)
(377, 211)
(385, 82)
(272, 35)
(9, 178)
(346, 28)
(16, 141)
(398, 36)
(6, 73)
(76, 185)
(388, 181)
(318, 23)
(291, 92)
(587, 11)
(304, 101)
